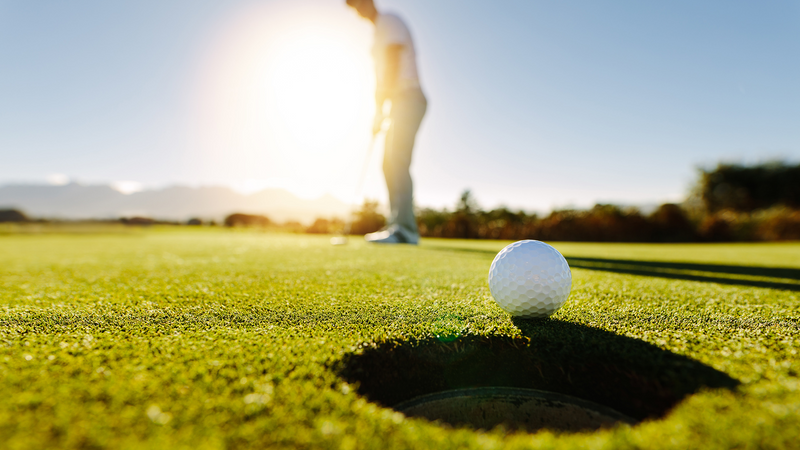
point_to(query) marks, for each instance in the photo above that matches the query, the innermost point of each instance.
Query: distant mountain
(77, 201)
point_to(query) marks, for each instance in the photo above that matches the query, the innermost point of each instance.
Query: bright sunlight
(286, 100)
(316, 82)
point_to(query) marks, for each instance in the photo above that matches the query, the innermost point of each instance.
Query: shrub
(142, 221)
(602, 223)
(502, 223)
(671, 224)
(718, 227)
(293, 226)
(367, 219)
(778, 224)
(431, 222)
(325, 226)
(728, 205)
(246, 220)
(744, 189)
(12, 215)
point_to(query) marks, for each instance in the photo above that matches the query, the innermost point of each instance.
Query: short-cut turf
(222, 339)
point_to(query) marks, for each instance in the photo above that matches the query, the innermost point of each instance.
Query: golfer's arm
(390, 76)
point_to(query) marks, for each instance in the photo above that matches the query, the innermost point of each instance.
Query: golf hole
(520, 409)
(558, 376)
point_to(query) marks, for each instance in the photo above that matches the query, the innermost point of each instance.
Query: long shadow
(770, 272)
(680, 271)
(631, 376)
(693, 272)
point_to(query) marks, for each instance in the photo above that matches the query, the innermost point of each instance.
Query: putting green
(179, 338)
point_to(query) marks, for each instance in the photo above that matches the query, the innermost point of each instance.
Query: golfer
(397, 82)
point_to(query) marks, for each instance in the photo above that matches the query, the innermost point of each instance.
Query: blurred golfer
(397, 82)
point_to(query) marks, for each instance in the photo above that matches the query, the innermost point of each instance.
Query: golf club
(348, 221)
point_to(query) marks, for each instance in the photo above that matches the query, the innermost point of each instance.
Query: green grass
(213, 339)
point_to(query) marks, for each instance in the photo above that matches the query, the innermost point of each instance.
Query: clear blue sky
(533, 104)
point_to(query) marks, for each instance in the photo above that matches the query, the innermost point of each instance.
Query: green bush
(12, 215)
(778, 224)
(325, 226)
(602, 223)
(730, 203)
(247, 220)
(367, 219)
(742, 188)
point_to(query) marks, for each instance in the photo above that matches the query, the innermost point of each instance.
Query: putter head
(339, 240)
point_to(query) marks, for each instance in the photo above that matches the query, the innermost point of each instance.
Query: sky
(532, 104)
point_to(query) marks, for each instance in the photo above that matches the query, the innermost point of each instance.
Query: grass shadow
(631, 376)
(783, 278)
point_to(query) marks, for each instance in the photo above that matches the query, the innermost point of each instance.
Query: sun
(317, 84)
(287, 99)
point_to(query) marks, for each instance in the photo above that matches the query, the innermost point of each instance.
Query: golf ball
(530, 279)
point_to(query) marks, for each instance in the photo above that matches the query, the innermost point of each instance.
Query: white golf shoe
(390, 236)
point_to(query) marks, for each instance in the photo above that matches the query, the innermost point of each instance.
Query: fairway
(209, 339)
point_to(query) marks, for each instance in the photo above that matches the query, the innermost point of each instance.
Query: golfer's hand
(377, 124)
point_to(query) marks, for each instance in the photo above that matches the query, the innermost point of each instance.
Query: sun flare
(287, 100)
(317, 84)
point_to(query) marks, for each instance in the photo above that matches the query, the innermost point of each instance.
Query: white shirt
(390, 30)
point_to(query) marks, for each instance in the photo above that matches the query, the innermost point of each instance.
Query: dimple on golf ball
(530, 279)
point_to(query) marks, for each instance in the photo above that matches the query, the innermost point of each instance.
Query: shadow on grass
(631, 376)
(695, 272)
(784, 278)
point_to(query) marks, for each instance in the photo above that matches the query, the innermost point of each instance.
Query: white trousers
(408, 109)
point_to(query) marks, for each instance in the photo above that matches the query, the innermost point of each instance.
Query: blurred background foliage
(745, 189)
(730, 202)
(365, 220)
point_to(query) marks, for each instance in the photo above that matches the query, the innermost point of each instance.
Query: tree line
(730, 202)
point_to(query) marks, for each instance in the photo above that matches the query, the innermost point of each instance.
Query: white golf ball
(530, 279)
